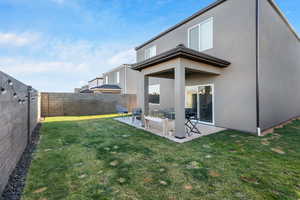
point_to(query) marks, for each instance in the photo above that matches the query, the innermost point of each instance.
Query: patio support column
(145, 98)
(179, 101)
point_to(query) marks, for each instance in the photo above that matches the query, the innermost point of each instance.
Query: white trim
(199, 30)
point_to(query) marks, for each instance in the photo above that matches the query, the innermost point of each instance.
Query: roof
(107, 87)
(181, 52)
(86, 91)
(218, 2)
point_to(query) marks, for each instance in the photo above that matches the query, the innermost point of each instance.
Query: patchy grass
(80, 158)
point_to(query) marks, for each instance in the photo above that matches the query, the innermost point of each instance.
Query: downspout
(257, 67)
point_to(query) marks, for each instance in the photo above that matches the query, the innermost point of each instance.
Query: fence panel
(18, 118)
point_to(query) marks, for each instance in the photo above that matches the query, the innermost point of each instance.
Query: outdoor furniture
(164, 122)
(191, 122)
(169, 113)
(136, 114)
(121, 110)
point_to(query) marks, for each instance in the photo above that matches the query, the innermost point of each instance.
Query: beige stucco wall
(234, 41)
(128, 79)
(279, 69)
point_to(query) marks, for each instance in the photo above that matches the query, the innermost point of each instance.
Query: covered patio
(178, 64)
(157, 129)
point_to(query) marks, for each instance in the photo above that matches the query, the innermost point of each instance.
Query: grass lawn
(82, 158)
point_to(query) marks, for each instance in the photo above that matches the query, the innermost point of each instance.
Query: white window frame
(159, 94)
(213, 102)
(118, 77)
(149, 49)
(199, 25)
(188, 39)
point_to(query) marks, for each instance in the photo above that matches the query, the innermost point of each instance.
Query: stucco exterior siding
(131, 81)
(166, 93)
(234, 41)
(279, 56)
(128, 79)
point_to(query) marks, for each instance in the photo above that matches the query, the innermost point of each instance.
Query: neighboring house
(85, 89)
(235, 63)
(123, 77)
(107, 89)
(96, 82)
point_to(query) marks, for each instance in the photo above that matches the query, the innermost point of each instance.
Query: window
(200, 37)
(194, 38)
(150, 52)
(154, 94)
(106, 79)
(118, 77)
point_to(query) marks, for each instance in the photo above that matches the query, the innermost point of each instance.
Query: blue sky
(56, 45)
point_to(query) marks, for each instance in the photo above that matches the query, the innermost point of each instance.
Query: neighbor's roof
(107, 87)
(85, 91)
(181, 52)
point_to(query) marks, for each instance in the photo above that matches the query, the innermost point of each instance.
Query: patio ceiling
(170, 73)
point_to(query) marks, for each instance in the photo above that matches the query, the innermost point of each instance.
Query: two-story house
(96, 82)
(120, 80)
(235, 63)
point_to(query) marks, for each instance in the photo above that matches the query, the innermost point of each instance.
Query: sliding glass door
(199, 100)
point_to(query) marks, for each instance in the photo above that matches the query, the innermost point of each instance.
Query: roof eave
(181, 52)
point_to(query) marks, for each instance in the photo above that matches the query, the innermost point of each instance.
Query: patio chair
(136, 114)
(190, 125)
(123, 111)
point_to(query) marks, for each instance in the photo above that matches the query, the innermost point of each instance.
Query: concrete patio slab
(204, 129)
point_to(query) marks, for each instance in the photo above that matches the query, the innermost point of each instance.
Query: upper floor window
(150, 52)
(200, 36)
(118, 77)
(106, 79)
